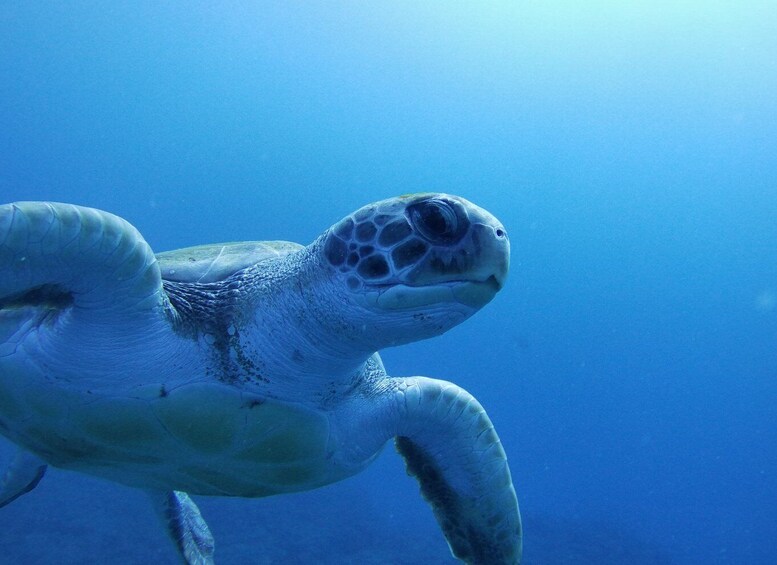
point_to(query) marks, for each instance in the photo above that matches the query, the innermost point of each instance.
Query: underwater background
(630, 148)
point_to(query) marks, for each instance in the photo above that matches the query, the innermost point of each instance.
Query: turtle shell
(217, 261)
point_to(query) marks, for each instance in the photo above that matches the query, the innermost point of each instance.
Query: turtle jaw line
(473, 294)
(491, 281)
(477, 294)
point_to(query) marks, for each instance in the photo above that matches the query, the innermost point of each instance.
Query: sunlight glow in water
(766, 300)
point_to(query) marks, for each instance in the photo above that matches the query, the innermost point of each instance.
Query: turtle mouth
(477, 293)
(470, 293)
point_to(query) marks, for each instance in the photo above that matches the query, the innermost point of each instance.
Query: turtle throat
(283, 324)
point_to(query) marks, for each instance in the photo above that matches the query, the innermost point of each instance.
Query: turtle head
(415, 266)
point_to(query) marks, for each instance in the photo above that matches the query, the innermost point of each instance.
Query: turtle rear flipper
(22, 475)
(185, 525)
(56, 255)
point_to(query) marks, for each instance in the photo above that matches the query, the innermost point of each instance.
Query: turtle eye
(435, 220)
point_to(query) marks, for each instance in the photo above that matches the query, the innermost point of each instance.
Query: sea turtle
(249, 369)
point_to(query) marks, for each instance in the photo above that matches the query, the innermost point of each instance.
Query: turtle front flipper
(22, 475)
(450, 446)
(185, 525)
(58, 255)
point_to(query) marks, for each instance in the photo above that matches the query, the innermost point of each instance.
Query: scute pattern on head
(406, 240)
(362, 245)
(363, 242)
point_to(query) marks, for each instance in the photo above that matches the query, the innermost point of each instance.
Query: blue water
(630, 364)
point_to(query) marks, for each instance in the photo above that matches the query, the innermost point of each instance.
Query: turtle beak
(495, 256)
(488, 272)
(491, 258)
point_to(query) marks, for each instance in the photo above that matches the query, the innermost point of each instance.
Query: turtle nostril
(500, 232)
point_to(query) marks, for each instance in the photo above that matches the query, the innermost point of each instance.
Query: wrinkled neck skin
(292, 329)
(272, 326)
(298, 327)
